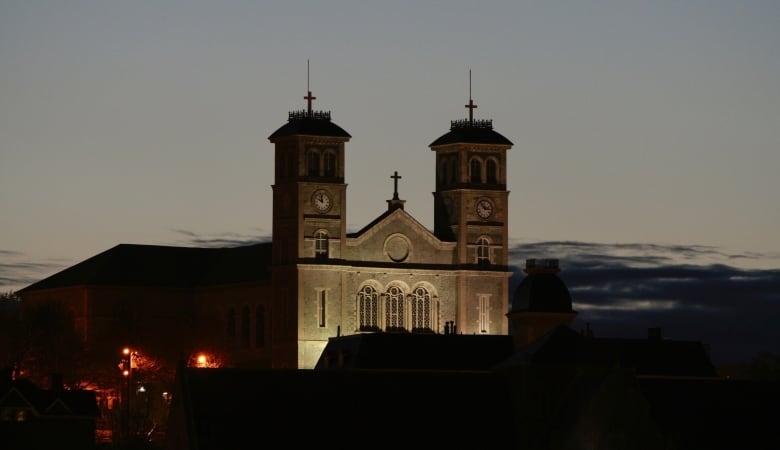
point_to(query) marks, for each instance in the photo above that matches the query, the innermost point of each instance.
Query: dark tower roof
(542, 290)
(309, 122)
(314, 123)
(473, 132)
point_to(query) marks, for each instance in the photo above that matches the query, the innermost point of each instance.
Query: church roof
(313, 123)
(165, 266)
(417, 351)
(472, 132)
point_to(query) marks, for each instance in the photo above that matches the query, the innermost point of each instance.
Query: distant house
(32, 418)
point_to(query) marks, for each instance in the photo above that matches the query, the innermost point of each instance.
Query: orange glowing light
(202, 361)
(125, 373)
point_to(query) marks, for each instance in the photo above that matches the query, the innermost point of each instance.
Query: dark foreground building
(568, 391)
(33, 418)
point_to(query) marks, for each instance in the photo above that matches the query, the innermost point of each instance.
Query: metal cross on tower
(309, 97)
(395, 178)
(471, 106)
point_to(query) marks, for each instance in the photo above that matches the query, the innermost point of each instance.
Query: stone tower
(471, 209)
(309, 219)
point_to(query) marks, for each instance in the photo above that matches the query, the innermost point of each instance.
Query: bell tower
(471, 209)
(309, 220)
(471, 199)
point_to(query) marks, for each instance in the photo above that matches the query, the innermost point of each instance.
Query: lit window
(322, 303)
(394, 309)
(368, 304)
(483, 251)
(484, 313)
(421, 309)
(321, 244)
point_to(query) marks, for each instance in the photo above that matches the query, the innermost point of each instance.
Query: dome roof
(541, 291)
(473, 132)
(313, 123)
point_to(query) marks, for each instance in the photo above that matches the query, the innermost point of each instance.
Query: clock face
(321, 201)
(484, 209)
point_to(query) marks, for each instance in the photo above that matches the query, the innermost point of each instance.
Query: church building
(276, 304)
(393, 275)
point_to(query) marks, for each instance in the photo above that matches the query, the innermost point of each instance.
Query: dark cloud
(220, 240)
(621, 290)
(17, 274)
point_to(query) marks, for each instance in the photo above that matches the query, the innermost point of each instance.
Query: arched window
(321, 244)
(394, 309)
(231, 325)
(443, 172)
(260, 326)
(453, 170)
(245, 319)
(483, 251)
(313, 163)
(476, 170)
(368, 308)
(491, 168)
(330, 164)
(421, 309)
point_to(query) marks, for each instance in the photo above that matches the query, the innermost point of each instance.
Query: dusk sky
(646, 135)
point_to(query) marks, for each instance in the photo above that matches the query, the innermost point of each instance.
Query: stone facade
(394, 275)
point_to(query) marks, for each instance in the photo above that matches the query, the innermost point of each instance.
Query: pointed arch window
(476, 170)
(483, 251)
(491, 171)
(421, 309)
(245, 330)
(321, 244)
(394, 309)
(368, 308)
(313, 162)
(331, 164)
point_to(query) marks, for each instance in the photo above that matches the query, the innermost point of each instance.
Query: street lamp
(126, 379)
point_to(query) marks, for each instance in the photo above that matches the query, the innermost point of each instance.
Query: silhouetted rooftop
(417, 351)
(653, 356)
(165, 266)
(312, 123)
(477, 132)
(232, 408)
